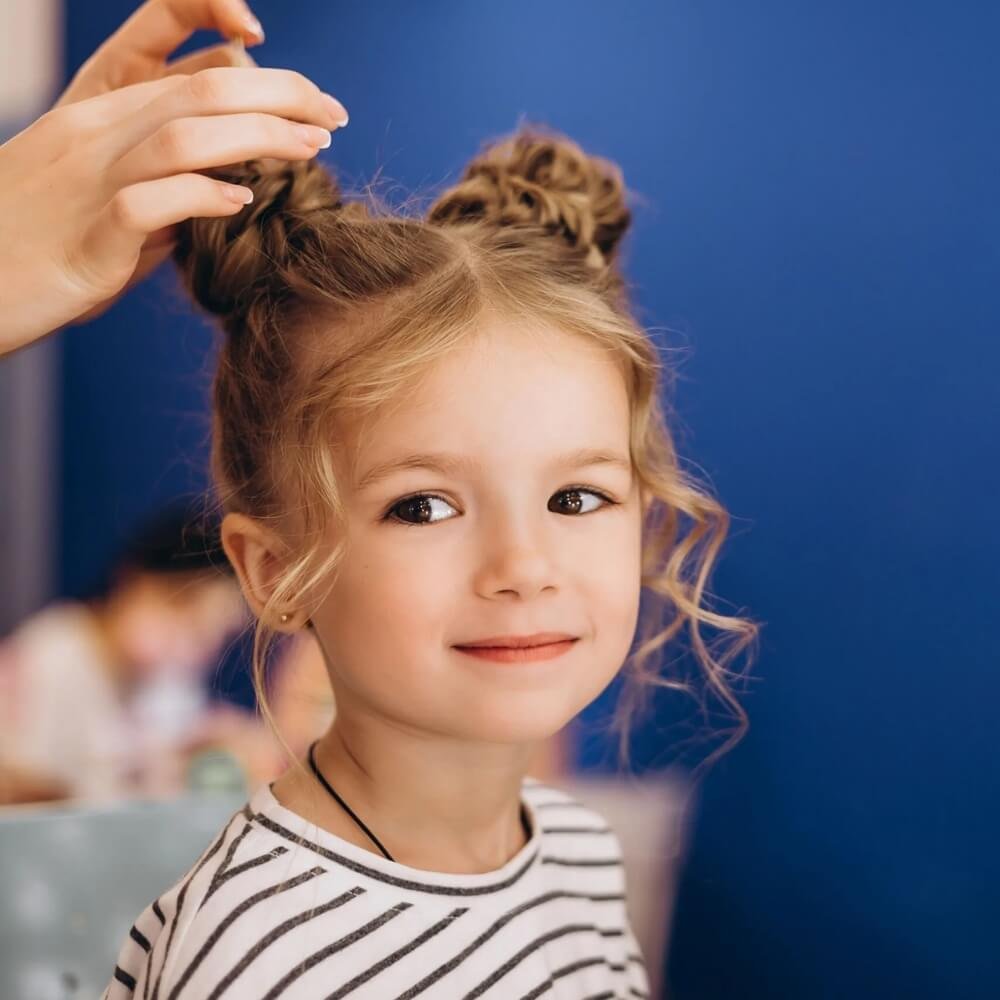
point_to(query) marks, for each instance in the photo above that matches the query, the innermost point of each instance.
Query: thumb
(223, 54)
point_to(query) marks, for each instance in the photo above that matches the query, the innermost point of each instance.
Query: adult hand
(91, 192)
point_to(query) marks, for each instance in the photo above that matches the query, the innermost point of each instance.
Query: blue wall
(821, 235)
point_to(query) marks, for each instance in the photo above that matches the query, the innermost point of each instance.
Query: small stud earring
(285, 617)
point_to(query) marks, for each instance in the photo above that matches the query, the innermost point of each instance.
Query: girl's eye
(420, 504)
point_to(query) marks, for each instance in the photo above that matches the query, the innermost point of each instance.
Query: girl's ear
(255, 555)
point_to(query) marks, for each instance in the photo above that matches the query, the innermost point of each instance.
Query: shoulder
(183, 939)
(552, 802)
(583, 853)
(575, 833)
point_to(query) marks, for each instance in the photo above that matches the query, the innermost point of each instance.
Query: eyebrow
(447, 463)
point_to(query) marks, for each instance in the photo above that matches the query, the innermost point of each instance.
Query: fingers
(188, 144)
(160, 26)
(137, 51)
(219, 116)
(225, 54)
(137, 211)
(96, 114)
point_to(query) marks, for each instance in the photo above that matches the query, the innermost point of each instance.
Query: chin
(512, 725)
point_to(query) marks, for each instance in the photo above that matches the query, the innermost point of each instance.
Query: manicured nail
(241, 195)
(253, 25)
(315, 136)
(336, 109)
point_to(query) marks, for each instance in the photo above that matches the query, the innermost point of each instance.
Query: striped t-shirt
(278, 907)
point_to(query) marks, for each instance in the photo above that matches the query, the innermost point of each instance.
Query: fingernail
(253, 25)
(241, 195)
(315, 136)
(336, 109)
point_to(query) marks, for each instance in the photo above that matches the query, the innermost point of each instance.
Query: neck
(433, 804)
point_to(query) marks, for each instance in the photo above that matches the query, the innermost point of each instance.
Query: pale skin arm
(91, 192)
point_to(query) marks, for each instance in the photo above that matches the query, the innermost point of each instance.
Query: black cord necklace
(326, 784)
(329, 788)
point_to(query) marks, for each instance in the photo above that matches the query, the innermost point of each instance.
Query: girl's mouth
(518, 654)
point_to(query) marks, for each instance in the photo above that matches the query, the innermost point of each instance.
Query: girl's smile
(519, 654)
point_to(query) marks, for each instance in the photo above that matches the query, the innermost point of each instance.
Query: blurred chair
(651, 816)
(73, 879)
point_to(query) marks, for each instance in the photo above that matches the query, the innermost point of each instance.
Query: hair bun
(228, 262)
(539, 177)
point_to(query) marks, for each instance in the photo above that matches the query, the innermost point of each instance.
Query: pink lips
(518, 654)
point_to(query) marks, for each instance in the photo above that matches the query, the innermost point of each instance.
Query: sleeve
(148, 961)
(132, 966)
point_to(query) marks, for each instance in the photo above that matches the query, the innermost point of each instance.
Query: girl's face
(502, 544)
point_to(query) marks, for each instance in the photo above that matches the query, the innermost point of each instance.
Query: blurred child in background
(99, 697)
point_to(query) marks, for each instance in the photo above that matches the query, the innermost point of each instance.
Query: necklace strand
(329, 788)
(326, 784)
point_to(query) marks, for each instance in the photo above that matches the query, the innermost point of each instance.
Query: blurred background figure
(106, 697)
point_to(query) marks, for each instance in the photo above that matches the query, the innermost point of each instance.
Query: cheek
(384, 605)
(614, 596)
(384, 628)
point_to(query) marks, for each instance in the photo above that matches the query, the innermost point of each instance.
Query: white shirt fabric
(278, 907)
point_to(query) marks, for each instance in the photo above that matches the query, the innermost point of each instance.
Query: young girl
(438, 444)
(435, 439)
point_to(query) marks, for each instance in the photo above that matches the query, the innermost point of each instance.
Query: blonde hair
(332, 309)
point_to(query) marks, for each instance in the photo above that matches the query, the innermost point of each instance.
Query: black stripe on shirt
(395, 956)
(226, 861)
(223, 876)
(546, 984)
(205, 858)
(498, 925)
(378, 876)
(123, 977)
(318, 956)
(223, 925)
(582, 862)
(527, 950)
(140, 939)
(272, 935)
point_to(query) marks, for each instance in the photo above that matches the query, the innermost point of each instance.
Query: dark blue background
(819, 234)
